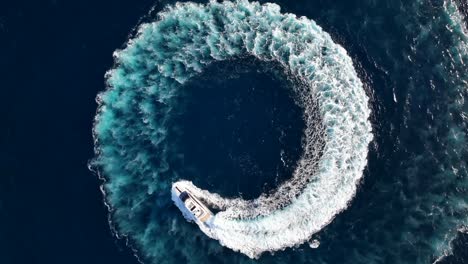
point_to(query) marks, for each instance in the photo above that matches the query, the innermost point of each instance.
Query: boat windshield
(183, 196)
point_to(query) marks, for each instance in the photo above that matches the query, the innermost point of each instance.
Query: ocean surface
(341, 124)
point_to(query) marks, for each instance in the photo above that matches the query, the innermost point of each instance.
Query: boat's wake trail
(188, 37)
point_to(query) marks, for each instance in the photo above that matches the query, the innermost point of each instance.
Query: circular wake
(133, 123)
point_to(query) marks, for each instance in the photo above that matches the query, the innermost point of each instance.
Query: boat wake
(153, 68)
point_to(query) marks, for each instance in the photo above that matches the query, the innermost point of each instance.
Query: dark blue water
(240, 140)
(257, 131)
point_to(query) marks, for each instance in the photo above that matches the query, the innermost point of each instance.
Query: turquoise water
(346, 126)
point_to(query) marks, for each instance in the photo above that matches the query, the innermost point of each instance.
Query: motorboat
(188, 203)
